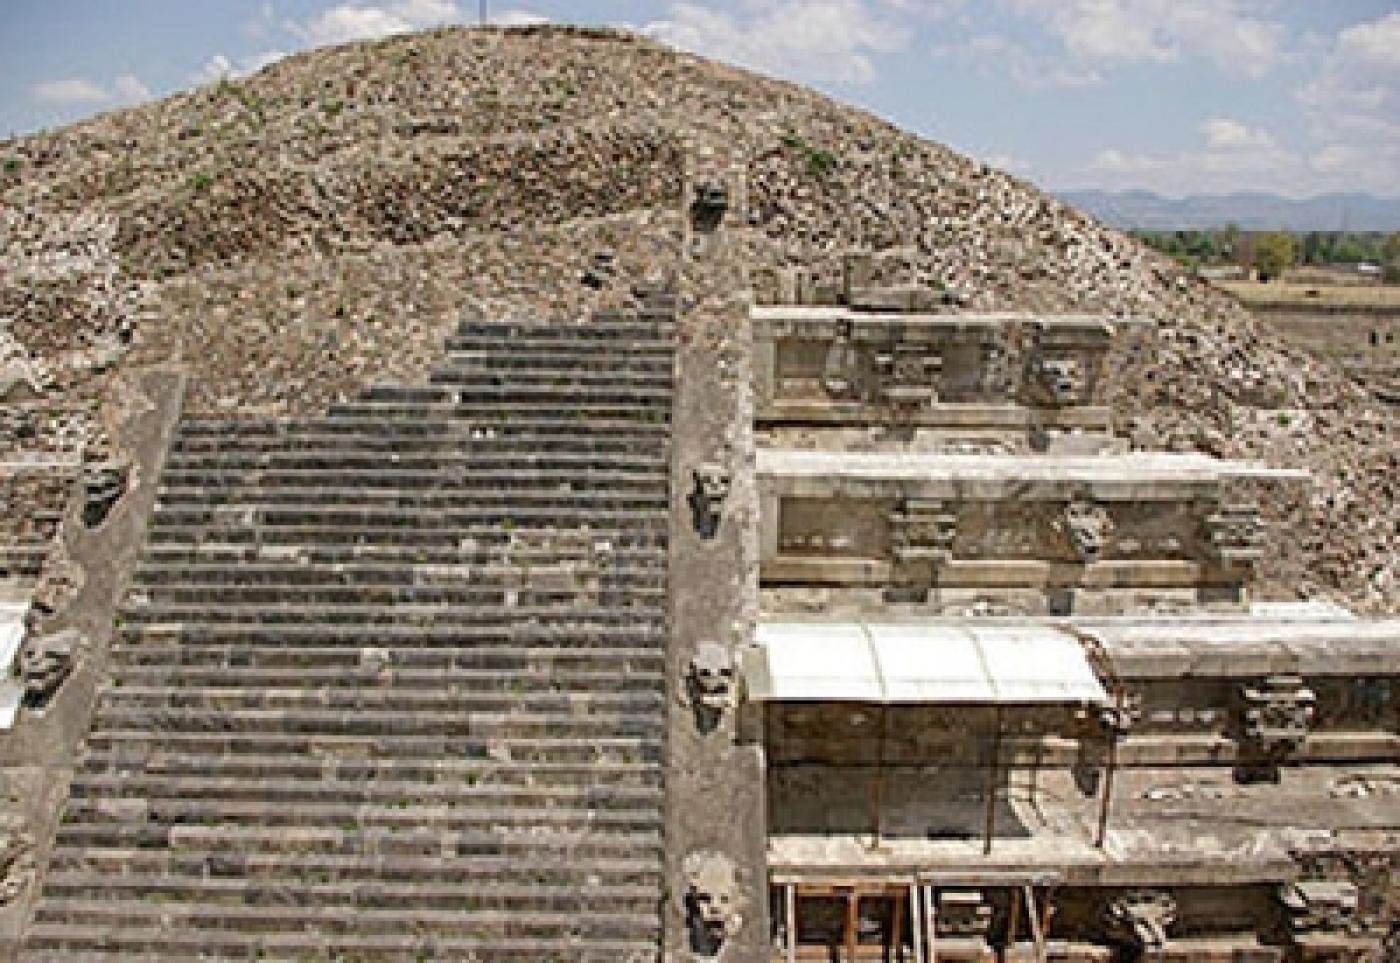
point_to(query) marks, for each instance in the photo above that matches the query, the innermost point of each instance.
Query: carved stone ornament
(46, 662)
(840, 368)
(963, 913)
(1236, 534)
(1054, 378)
(104, 483)
(710, 684)
(1140, 918)
(710, 491)
(1275, 715)
(708, 205)
(1319, 906)
(1117, 719)
(1088, 527)
(909, 373)
(922, 531)
(711, 901)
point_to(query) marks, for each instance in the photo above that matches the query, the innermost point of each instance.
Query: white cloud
(812, 39)
(125, 89)
(994, 54)
(1353, 107)
(221, 66)
(517, 18)
(1232, 155)
(1009, 162)
(1101, 33)
(345, 22)
(72, 90)
(1222, 133)
(128, 89)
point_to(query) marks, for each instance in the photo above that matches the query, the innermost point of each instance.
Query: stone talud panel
(989, 380)
(1077, 553)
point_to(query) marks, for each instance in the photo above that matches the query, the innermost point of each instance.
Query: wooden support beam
(852, 921)
(897, 929)
(931, 922)
(1037, 931)
(1014, 919)
(992, 767)
(877, 794)
(916, 920)
(790, 918)
(1106, 799)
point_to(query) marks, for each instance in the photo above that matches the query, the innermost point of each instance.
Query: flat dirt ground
(1287, 292)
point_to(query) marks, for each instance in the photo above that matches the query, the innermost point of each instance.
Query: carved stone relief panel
(909, 372)
(1320, 906)
(1140, 918)
(711, 901)
(1235, 534)
(1087, 528)
(922, 532)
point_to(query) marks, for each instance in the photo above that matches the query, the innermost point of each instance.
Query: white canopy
(929, 662)
(11, 638)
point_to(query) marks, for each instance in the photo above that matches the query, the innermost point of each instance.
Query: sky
(1299, 97)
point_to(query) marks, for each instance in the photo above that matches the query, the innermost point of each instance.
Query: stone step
(247, 564)
(655, 360)
(489, 573)
(473, 627)
(487, 490)
(544, 841)
(399, 599)
(508, 337)
(473, 897)
(606, 812)
(426, 616)
(490, 411)
(391, 696)
(484, 439)
(289, 914)
(373, 540)
(370, 722)
(613, 513)
(290, 866)
(298, 462)
(137, 743)
(600, 325)
(462, 374)
(561, 550)
(24, 560)
(369, 673)
(156, 794)
(155, 943)
(483, 772)
(444, 464)
(537, 631)
(251, 654)
(296, 467)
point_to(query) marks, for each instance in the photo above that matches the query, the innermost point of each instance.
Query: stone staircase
(389, 683)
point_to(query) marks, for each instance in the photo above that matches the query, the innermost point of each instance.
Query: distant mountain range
(1251, 210)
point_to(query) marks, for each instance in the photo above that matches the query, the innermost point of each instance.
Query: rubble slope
(291, 236)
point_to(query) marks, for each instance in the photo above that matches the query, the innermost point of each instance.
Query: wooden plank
(852, 920)
(916, 921)
(790, 912)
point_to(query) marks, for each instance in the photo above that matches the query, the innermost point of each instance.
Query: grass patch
(818, 161)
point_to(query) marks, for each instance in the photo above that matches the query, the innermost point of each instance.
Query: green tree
(1390, 250)
(1273, 253)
